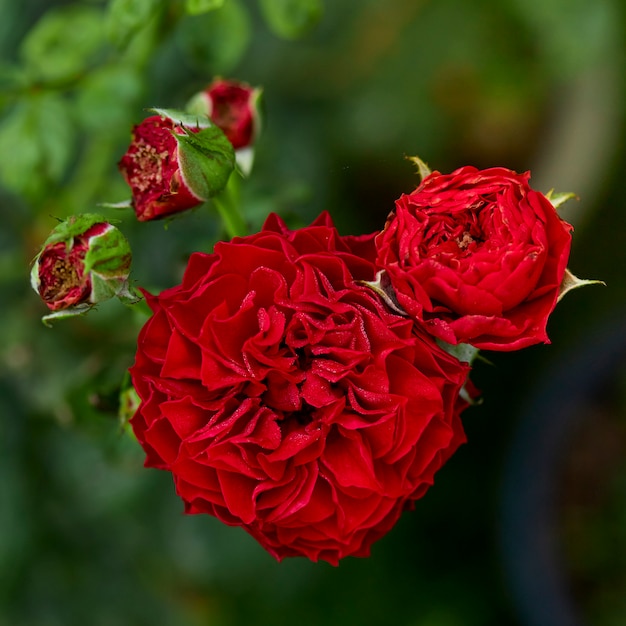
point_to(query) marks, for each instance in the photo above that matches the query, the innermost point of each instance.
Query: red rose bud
(85, 260)
(175, 162)
(287, 399)
(477, 256)
(234, 107)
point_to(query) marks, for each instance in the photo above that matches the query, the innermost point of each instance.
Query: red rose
(478, 256)
(286, 398)
(232, 106)
(152, 170)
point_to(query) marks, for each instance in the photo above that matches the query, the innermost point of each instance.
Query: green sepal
(571, 282)
(124, 204)
(464, 352)
(382, 287)
(422, 168)
(560, 197)
(75, 311)
(129, 402)
(206, 160)
(73, 226)
(198, 105)
(108, 254)
(188, 119)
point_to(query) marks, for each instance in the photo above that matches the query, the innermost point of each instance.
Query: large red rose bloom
(477, 257)
(286, 398)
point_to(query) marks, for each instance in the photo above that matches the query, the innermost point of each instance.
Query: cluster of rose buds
(300, 384)
(176, 161)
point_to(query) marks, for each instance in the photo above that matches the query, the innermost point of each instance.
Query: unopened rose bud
(234, 107)
(85, 260)
(175, 162)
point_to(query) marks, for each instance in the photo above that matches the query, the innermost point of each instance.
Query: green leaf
(39, 136)
(64, 42)
(206, 160)
(107, 97)
(291, 18)
(215, 42)
(125, 18)
(197, 7)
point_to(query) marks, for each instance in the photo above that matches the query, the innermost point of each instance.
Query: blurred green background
(350, 88)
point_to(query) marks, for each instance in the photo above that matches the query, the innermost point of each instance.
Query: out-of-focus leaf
(215, 41)
(38, 138)
(64, 42)
(107, 96)
(291, 18)
(126, 17)
(196, 7)
(572, 35)
(11, 77)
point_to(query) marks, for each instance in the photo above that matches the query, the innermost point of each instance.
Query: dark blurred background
(526, 524)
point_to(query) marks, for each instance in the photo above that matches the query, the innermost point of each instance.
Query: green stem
(228, 207)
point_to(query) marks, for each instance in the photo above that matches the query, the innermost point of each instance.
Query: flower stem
(228, 207)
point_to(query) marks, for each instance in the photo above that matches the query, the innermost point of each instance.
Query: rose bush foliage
(477, 257)
(285, 396)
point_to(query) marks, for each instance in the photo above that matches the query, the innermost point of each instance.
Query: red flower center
(62, 282)
(147, 169)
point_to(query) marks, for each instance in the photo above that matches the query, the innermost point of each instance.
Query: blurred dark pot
(531, 546)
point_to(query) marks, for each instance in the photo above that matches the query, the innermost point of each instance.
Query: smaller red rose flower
(477, 257)
(175, 162)
(85, 260)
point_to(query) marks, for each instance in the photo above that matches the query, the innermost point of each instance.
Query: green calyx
(206, 160)
(558, 198)
(571, 282)
(422, 167)
(384, 289)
